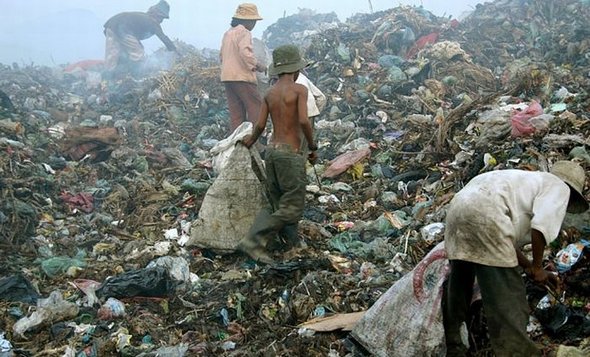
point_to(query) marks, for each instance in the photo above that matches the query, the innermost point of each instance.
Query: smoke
(52, 32)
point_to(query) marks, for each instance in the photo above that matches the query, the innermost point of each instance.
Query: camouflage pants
(118, 49)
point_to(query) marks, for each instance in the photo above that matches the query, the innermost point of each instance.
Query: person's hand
(543, 277)
(312, 157)
(247, 141)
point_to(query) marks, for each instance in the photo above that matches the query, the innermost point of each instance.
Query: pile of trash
(104, 186)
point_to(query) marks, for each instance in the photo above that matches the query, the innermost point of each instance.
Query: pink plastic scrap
(83, 201)
(520, 119)
(345, 161)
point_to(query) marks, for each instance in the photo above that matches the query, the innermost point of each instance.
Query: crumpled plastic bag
(55, 266)
(521, 120)
(177, 267)
(50, 310)
(18, 288)
(149, 282)
(167, 351)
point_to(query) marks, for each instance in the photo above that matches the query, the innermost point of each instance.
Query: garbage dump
(102, 184)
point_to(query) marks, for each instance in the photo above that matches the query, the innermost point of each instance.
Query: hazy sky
(65, 31)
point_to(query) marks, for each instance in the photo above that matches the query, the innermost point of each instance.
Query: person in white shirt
(316, 99)
(487, 223)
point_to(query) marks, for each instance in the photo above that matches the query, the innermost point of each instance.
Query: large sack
(231, 203)
(407, 320)
(223, 149)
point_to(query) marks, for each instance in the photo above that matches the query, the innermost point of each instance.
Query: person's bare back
(286, 103)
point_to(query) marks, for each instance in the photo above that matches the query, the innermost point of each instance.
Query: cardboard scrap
(344, 322)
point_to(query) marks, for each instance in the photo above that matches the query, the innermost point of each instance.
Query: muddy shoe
(255, 252)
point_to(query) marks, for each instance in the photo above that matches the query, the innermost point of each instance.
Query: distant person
(286, 103)
(239, 67)
(124, 32)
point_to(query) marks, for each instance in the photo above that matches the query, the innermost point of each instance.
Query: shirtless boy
(286, 102)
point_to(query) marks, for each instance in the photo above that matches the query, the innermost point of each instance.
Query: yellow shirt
(238, 62)
(496, 211)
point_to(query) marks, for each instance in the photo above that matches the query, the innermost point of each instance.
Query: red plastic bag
(421, 43)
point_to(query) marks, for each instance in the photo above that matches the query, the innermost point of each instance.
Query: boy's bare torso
(287, 104)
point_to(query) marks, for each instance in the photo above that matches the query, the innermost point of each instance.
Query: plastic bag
(110, 309)
(58, 265)
(18, 288)
(167, 351)
(5, 347)
(88, 287)
(52, 309)
(563, 322)
(521, 125)
(432, 232)
(177, 267)
(567, 257)
(152, 282)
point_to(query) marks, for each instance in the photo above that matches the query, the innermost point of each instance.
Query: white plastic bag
(49, 310)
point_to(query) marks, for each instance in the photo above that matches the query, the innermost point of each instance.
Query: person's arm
(249, 140)
(535, 270)
(169, 44)
(246, 51)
